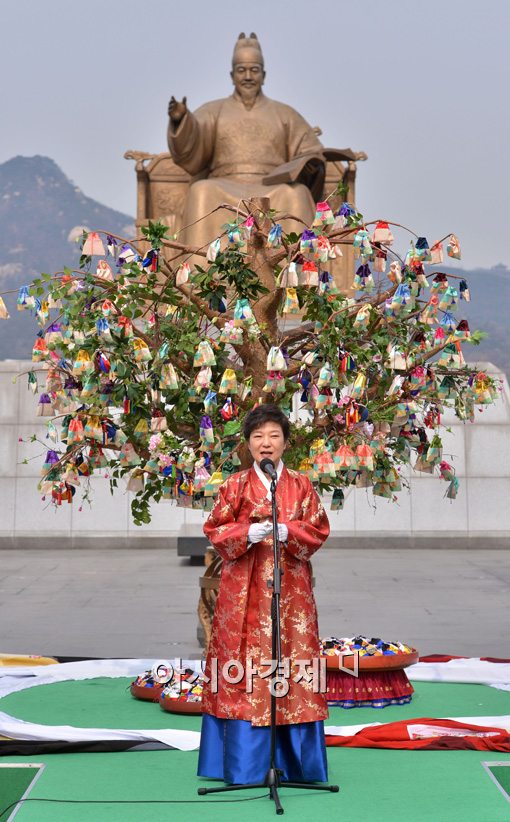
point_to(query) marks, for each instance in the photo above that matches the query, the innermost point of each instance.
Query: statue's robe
(237, 149)
(242, 618)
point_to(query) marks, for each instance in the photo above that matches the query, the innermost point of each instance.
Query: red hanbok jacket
(241, 627)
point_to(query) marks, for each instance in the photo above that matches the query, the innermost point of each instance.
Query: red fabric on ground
(396, 735)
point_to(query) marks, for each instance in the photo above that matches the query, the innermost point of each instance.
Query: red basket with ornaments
(380, 680)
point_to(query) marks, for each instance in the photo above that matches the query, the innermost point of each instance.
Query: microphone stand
(273, 779)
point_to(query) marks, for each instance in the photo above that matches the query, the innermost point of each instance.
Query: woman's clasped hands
(260, 530)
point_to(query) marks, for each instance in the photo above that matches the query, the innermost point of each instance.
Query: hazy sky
(419, 86)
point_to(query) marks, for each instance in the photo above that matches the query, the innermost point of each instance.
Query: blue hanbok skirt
(237, 752)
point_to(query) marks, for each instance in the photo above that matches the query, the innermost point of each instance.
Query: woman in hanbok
(235, 741)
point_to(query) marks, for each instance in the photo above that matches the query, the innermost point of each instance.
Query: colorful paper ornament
(483, 392)
(274, 237)
(228, 383)
(429, 313)
(218, 303)
(210, 402)
(206, 432)
(275, 359)
(380, 260)
(24, 299)
(464, 291)
(158, 421)
(382, 233)
(308, 276)
(436, 253)
(289, 276)
(103, 271)
(75, 431)
(32, 382)
(395, 272)
(103, 328)
(4, 314)
(323, 250)
(435, 450)
(128, 455)
(359, 385)
(40, 350)
(248, 226)
(418, 377)
(324, 465)
(337, 500)
(362, 319)
(325, 375)
(246, 388)
(168, 380)
(323, 215)
(423, 250)
(344, 457)
(363, 280)
(324, 399)
(212, 486)
(141, 429)
(365, 457)
(83, 363)
(93, 245)
(448, 298)
(127, 255)
(203, 378)
(229, 411)
(447, 389)
(275, 383)
(204, 355)
(346, 214)
(213, 250)
(53, 334)
(304, 379)
(141, 351)
(326, 282)
(136, 481)
(462, 331)
(243, 314)
(42, 310)
(183, 274)
(93, 428)
(453, 247)
(52, 458)
(346, 362)
(307, 242)
(291, 302)
(234, 234)
(361, 244)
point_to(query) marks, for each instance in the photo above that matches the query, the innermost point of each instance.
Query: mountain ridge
(40, 205)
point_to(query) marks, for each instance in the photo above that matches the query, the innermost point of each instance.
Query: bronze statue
(243, 146)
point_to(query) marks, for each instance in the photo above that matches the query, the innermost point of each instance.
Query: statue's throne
(162, 187)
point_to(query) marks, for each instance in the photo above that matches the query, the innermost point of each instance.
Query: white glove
(283, 532)
(259, 531)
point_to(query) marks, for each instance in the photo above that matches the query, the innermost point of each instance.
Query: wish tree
(151, 353)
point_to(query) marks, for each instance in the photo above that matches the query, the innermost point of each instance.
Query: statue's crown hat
(244, 42)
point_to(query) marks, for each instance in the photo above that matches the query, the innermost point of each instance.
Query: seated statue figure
(244, 146)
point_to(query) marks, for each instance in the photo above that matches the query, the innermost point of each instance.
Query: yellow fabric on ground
(25, 659)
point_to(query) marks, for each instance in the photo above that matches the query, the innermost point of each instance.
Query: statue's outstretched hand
(176, 110)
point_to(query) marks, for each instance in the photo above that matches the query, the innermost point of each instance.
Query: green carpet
(13, 784)
(375, 785)
(502, 774)
(107, 703)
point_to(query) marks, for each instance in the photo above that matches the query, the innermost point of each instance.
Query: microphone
(267, 466)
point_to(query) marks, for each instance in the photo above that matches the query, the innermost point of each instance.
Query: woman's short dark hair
(261, 414)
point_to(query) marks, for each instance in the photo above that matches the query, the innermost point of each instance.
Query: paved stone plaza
(127, 603)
